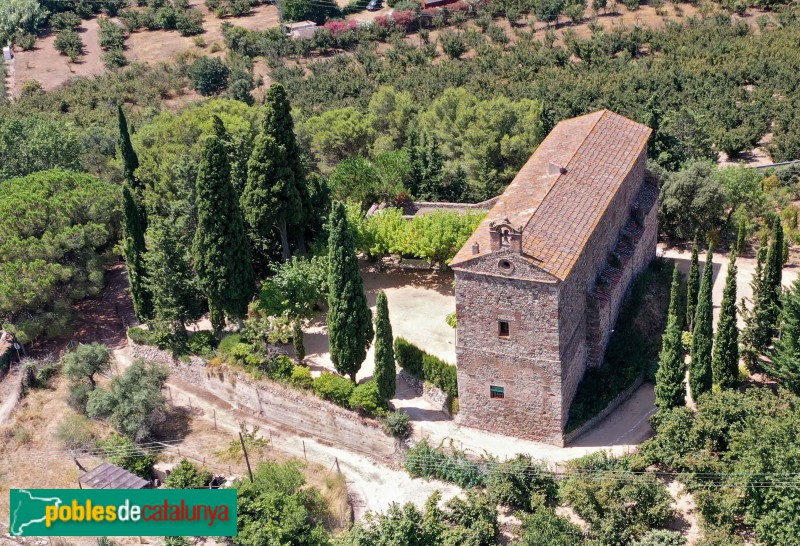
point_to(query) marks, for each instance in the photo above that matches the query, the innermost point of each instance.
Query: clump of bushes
(453, 465)
(209, 76)
(367, 399)
(202, 343)
(333, 387)
(301, 378)
(521, 483)
(398, 424)
(426, 366)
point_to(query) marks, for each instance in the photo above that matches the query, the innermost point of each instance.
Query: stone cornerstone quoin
(540, 282)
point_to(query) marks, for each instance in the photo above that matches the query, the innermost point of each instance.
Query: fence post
(215, 419)
(304, 451)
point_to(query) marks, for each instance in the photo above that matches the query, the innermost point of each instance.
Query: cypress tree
(279, 125)
(385, 371)
(130, 161)
(133, 249)
(756, 329)
(270, 199)
(772, 279)
(725, 361)
(297, 340)
(349, 318)
(785, 354)
(741, 235)
(700, 376)
(692, 289)
(670, 389)
(220, 248)
(172, 284)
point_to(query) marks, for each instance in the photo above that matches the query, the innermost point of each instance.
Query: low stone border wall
(433, 395)
(293, 409)
(614, 404)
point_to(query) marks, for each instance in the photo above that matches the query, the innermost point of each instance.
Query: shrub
(78, 396)
(545, 528)
(441, 374)
(661, 537)
(398, 423)
(187, 476)
(280, 368)
(227, 344)
(65, 20)
(141, 336)
(301, 377)
(202, 343)
(453, 43)
(209, 75)
(367, 398)
(25, 40)
(408, 356)
(122, 452)
(451, 320)
(111, 35)
(521, 484)
(114, 58)
(189, 22)
(69, 43)
(425, 461)
(75, 432)
(333, 387)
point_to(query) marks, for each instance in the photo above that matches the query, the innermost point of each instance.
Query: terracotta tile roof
(559, 208)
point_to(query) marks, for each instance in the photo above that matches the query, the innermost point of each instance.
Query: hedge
(426, 366)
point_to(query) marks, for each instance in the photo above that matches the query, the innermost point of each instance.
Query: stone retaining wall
(289, 408)
(433, 395)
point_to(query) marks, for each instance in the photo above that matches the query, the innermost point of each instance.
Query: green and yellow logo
(123, 512)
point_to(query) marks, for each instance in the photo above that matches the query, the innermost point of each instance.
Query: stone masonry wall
(288, 408)
(525, 364)
(572, 304)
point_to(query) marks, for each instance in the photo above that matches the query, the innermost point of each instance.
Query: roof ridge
(604, 111)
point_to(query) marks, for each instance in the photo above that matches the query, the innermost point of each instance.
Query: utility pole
(246, 458)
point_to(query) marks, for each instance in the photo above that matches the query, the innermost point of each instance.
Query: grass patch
(634, 346)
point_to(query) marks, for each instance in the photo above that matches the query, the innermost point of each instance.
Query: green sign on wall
(123, 512)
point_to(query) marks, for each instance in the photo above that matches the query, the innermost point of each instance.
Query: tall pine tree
(385, 370)
(270, 199)
(220, 248)
(133, 249)
(725, 360)
(692, 288)
(279, 125)
(700, 375)
(349, 318)
(785, 354)
(670, 389)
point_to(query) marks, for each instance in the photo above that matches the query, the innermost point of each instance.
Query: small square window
(497, 392)
(503, 328)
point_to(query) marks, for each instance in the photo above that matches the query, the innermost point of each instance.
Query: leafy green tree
(385, 370)
(661, 537)
(69, 43)
(337, 134)
(692, 200)
(277, 508)
(453, 43)
(133, 402)
(86, 361)
(270, 199)
(742, 187)
(20, 15)
(670, 389)
(390, 113)
(521, 483)
(785, 355)
(306, 10)
(725, 359)
(700, 375)
(548, 11)
(31, 143)
(692, 288)
(121, 451)
(220, 248)
(349, 318)
(296, 288)
(187, 476)
(209, 75)
(133, 249)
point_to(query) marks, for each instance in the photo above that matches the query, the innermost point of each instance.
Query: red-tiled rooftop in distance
(559, 210)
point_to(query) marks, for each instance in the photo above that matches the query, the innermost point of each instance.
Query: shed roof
(561, 193)
(110, 476)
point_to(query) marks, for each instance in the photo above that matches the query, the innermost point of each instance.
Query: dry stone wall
(288, 408)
